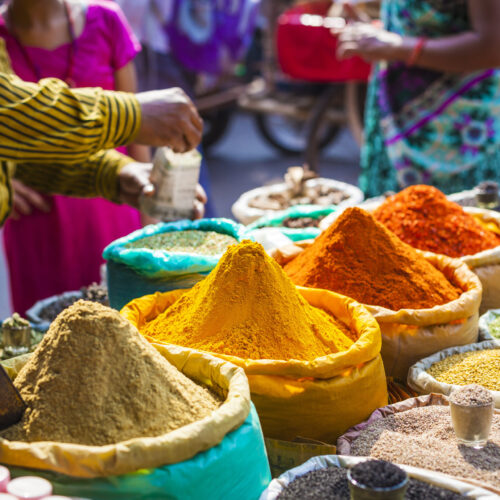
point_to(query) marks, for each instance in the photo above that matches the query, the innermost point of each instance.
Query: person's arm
(465, 52)
(126, 81)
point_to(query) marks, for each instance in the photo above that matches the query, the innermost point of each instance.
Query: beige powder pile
(95, 381)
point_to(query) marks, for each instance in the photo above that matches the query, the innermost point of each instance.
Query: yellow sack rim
(455, 271)
(149, 452)
(350, 312)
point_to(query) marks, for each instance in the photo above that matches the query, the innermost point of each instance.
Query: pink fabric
(52, 253)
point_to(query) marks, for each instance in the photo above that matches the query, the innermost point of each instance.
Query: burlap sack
(409, 335)
(425, 383)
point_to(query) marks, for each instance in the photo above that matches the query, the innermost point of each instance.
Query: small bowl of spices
(471, 409)
(16, 335)
(375, 479)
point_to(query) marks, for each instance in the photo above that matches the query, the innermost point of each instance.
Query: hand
(169, 118)
(199, 202)
(134, 181)
(368, 41)
(26, 199)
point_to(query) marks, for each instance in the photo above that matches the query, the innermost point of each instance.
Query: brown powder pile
(424, 437)
(94, 380)
(359, 257)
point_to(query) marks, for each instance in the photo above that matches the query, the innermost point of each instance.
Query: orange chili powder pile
(359, 257)
(424, 218)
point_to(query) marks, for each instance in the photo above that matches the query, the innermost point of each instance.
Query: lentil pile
(191, 241)
(332, 484)
(94, 347)
(472, 367)
(424, 437)
(424, 218)
(359, 257)
(247, 307)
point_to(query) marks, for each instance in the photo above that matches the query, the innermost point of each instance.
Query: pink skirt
(51, 253)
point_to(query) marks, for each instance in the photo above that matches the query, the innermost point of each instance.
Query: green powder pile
(494, 327)
(191, 241)
(94, 380)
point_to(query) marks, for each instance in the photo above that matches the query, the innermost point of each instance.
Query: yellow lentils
(473, 367)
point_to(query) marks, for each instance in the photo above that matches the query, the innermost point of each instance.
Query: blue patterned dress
(427, 127)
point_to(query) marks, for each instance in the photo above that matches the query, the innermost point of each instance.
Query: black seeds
(332, 483)
(378, 474)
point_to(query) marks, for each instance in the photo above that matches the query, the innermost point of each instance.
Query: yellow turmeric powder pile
(248, 307)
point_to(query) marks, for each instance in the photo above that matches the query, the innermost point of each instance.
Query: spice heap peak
(359, 257)
(247, 307)
(424, 218)
(94, 380)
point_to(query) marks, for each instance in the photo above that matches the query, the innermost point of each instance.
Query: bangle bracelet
(417, 50)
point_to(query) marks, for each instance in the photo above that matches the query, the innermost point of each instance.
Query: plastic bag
(246, 214)
(128, 456)
(133, 272)
(276, 486)
(412, 334)
(485, 264)
(425, 383)
(314, 399)
(345, 442)
(297, 211)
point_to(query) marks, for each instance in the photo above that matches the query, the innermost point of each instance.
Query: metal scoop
(12, 406)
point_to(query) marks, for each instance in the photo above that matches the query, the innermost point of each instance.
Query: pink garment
(52, 253)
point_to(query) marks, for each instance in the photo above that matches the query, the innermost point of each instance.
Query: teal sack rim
(163, 264)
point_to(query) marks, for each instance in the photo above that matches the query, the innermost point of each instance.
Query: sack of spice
(146, 421)
(489, 326)
(270, 200)
(166, 256)
(423, 217)
(326, 477)
(312, 357)
(418, 432)
(300, 222)
(446, 370)
(423, 302)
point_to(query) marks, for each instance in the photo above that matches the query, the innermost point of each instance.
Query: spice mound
(472, 367)
(247, 307)
(424, 437)
(190, 241)
(94, 380)
(378, 474)
(332, 483)
(494, 327)
(301, 222)
(424, 218)
(358, 257)
(472, 395)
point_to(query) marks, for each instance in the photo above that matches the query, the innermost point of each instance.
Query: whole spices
(302, 222)
(247, 307)
(358, 257)
(93, 346)
(191, 241)
(332, 483)
(424, 218)
(378, 474)
(424, 437)
(471, 367)
(472, 395)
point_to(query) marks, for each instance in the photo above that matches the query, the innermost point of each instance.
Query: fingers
(201, 195)
(199, 209)
(26, 199)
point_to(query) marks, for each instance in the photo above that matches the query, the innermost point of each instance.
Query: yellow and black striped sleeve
(95, 177)
(49, 122)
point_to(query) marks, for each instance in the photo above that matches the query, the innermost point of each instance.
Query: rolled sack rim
(177, 446)
(347, 310)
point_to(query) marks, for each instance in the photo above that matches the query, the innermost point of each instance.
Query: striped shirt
(55, 139)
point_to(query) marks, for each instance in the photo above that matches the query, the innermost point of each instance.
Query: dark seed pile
(378, 474)
(93, 292)
(332, 483)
